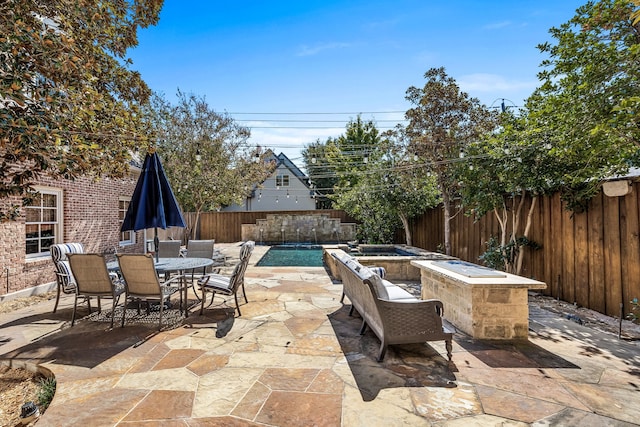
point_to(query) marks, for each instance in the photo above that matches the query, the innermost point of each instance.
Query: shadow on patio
(512, 354)
(91, 341)
(407, 365)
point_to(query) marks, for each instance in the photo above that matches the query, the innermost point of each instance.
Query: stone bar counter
(481, 302)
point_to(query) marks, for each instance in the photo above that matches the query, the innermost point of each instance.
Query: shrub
(46, 392)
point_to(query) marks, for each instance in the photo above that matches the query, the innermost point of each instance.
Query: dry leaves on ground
(17, 387)
(18, 303)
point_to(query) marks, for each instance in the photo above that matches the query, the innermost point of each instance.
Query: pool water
(292, 256)
(386, 252)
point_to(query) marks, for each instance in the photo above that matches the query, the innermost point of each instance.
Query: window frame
(282, 180)
(58, 223)
(131, 233)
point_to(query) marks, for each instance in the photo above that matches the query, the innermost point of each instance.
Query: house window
(282, 180)
(43, 221)
(126, 237)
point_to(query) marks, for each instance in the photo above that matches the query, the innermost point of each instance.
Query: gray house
(287, 189)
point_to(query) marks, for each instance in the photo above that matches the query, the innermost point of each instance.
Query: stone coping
(509, 280)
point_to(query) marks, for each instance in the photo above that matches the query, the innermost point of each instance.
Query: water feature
(337, 234)
(318, 228)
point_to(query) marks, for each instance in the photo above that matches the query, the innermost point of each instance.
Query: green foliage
(205, 154)
(374, 183)
(634, 316)
(442, 123)
(70, 103)
(377, 222)
(502, 164)
(320, 172)
(46, 392)
(10, 214)
(350, 153)
(503, 257)
(579, 127)
(588, 96)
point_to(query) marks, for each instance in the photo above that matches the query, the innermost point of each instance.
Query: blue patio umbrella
(153, 204)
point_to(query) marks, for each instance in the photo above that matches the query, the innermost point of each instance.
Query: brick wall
(90, 210)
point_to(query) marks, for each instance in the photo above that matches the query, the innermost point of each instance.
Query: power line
(320, 113)
(307, 127)
(311, 121)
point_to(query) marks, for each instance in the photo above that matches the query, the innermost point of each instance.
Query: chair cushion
(68, 281)
(59, 251)
(381, 290)
(380, 271)
(247, 249)
(396, 293)
(215, 281)
(59, 256)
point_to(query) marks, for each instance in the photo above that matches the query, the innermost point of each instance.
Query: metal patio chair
(168, 248)
(93, 280)
(64, 277)
(142, 283)
(227, 285)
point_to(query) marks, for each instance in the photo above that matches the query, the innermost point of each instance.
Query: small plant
(494, 256)
(634, 316)
(503, 258)
(46, 392)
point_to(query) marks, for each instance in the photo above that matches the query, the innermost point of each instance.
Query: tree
(499, 171)
(588, 101)
(442, 122)
(321, 176)
(206, 155)
(69, 104)
(407, 190)
(350, 152)
(376, 182)
(348, 156)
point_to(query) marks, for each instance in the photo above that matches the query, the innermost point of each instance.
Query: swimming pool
(292, 256)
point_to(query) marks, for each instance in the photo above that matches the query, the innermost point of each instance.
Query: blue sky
(314, 65)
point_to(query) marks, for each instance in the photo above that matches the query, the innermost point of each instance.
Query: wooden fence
(590, 258)
(226, 227)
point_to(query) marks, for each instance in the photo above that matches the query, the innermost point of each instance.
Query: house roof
(633, 172)
(282, 159)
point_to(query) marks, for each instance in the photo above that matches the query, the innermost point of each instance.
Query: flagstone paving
(295, 358)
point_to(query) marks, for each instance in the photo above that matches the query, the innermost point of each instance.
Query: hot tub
(396, 259)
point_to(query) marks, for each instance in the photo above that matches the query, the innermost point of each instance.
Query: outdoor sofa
(393, 314)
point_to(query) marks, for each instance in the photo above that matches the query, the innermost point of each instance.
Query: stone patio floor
(295, 358)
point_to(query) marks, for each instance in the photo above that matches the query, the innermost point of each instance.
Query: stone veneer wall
(294, 228)
(396, 267)
(482, 311)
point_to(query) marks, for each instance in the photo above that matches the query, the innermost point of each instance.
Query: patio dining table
(180, 265)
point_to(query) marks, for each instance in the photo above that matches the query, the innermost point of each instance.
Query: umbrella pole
(156, 243)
